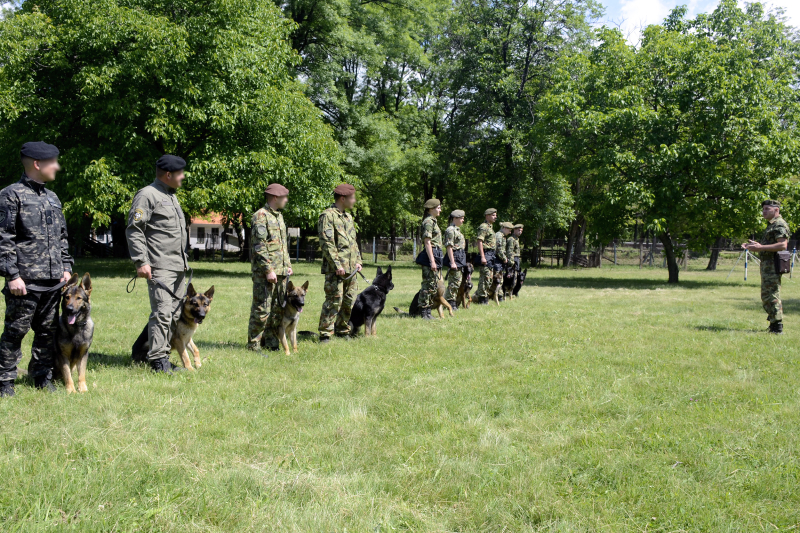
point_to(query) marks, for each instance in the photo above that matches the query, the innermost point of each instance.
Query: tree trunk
(392, 238)
(572, 238)
(669, 252)
(118, 239)
(712, 261)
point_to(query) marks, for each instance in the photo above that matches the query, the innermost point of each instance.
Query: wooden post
(374, 253)
(615, 252)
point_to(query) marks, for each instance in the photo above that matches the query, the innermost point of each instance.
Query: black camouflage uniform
(33, 246)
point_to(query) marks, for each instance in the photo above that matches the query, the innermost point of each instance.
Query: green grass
(600, 400)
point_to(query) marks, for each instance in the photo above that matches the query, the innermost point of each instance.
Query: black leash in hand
(353, 274)
(161, 285)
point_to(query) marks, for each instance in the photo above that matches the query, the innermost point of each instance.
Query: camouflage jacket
(512, 247)
(270, 243)
(486, 234)
(33, 233)
(337, 239)
(453, 237)
(500, 246)
(776, 229)
(429, 229)
(156, 231)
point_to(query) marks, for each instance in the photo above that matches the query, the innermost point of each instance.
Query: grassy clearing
(599, 400)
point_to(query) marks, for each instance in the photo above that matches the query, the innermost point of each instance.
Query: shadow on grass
(589, 282)
(103, 359)
(719, 329)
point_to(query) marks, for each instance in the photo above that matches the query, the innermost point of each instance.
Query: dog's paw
(82, 387)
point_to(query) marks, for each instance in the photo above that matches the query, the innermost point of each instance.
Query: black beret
(170, 163)
(38, 150)
(771, 203)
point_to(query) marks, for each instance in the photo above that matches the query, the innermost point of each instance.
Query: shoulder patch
(261, 231)
(138, 214)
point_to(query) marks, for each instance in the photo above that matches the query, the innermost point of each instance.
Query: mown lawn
(600, 400)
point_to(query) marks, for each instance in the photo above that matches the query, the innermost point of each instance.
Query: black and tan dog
(462, 297)
(370, 303)
(192, 311)
(509, 279)
(75, 331)
(492, 294)
(438, 302)
(520, 282)
(295, 301)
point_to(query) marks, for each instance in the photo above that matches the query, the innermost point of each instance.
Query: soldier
(431, 256)
(270, 269)
(35, 262)
(500, 251)
(341, 259)
(456, 255)
(486, 251)
(156, 236)
(513, 249)
(774, 239)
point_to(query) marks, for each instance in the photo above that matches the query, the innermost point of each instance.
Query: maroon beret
(276, 189)
(345, 189)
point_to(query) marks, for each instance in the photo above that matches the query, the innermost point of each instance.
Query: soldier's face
(517, 232)
(491, 218)
(174, 179)
(769, 211)
(47, 169)
(280, 202)
(458, 221)
(349, 201)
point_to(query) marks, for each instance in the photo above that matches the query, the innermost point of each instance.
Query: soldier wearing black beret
(34, 259)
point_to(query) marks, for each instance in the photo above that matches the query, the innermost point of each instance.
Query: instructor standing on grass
(775, 239)
(486, 248)
(156, 237)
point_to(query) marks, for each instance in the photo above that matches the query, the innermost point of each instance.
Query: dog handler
(456, 256)
(157, 239)
(34, 256)
(513, 251)
(500, 251)
(270, 267)
(430, 258)
(486, 248)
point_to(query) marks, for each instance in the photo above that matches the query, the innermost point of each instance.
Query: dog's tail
(141, 347)
(399, 310)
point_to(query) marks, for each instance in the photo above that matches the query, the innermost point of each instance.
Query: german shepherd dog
(370, 303)
(497, 282)
(509, 280)
(437, 302)
(295, 300)
(462, 297)
(520, 282)
(192, 311)
(75, 330)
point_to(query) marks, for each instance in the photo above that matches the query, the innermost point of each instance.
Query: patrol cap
(170, 163)
(38, 150)
(518, 226)
(345, 189)
(507, 225)
(458, 213)
(276, 189)
(433, 202)
(490, 211)
(771, 203)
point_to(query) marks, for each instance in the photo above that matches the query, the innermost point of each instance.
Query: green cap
(507, 225)
(490, 211)
(458, 213)
(771, 203)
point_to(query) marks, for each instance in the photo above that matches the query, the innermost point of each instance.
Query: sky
(632, 15)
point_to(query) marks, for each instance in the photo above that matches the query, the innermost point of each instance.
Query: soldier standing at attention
(486, 249)
(431, 256)
(341, 259)
(156, 236)
(513, 249)
(270, 267)
(774, 239)
(456, 256)
(35, 260)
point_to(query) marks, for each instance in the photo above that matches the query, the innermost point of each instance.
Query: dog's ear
(86, 284)
(305, 286)
(389, 272)
(73, 280)
(379, 272)
(289, 287)
(210, 293)
(190, 292)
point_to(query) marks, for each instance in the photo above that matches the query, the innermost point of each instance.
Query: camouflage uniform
(270, 254)
(337, 238)
(487, 236)
(770, 280)
(513, 253)
(502, 258)
(429, 230)
(455, 239)
(33, 246)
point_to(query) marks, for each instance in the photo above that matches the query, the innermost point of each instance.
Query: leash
(353, 274)
(39, 288)
(161, 285)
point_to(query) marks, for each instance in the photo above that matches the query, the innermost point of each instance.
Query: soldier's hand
(272, 277)
(483, 260)
(17, 287)
(752, 245)
(289, 271)
(144, 272)
(358, 267)
(340, 272)
(66, 276)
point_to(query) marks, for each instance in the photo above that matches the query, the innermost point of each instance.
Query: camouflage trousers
(484, 281)
(37, 311)
(453, 283)
(771, 291)
(266, 312)
(339, 297)
(430, 278)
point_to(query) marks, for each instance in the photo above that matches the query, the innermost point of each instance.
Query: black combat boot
(323, 340)
(44, 383)
(484, 301)
(6, 389)
(426, 314)
(776, 328)
(453, 305)
(164, 366)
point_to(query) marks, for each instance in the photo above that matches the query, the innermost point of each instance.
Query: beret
(170, 163)
(490, 211)
(345, 189)
(38, 150)
(433, 202)
(507, 225)
(276, 189)
(458, 213)
(771, 203)
(518, 226)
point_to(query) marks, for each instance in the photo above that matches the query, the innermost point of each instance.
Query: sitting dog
(509, 279)
(520, 282)
(370, 303)
(492, 294)
(295, 300)
(192, 311)
(75, 331)
(437, 302)
(462, 297)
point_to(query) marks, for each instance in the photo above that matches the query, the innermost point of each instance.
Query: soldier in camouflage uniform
(486, 251)
(341, 259)
(455, 257)
(430, 256)
(34, 259)
(513, 249)
(774, 239)
(271, 267)
(500, 251)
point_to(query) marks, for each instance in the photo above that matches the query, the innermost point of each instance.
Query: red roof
(210, 218)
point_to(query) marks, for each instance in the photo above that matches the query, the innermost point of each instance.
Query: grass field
(600, 400)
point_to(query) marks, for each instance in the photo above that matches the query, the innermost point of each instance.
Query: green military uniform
(429, 229)
(502, 258)
(455, 239)
(487, 236)
(337, 238)
(513, 253)
(156, 236)
(770, 280)
(270, 254)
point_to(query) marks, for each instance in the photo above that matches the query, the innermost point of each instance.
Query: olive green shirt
(337, 239)
(430, 230)
(486, 234)
(777, 228)
(270, 243)
(156, 231)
